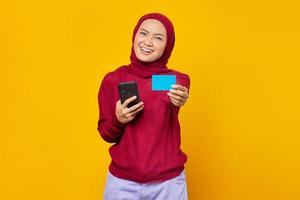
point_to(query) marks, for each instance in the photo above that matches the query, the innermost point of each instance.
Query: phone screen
(127, 90)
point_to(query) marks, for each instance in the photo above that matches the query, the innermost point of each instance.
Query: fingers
(176, 97)
(132, 114)
(180, 87)
(132, 108)
(128, 112)
(118, 103)
(176, 102)
(179, 93)
(127, 101)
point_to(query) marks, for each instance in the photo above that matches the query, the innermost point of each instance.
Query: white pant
(122, 189)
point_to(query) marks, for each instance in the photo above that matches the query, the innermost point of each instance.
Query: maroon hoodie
(146, 149)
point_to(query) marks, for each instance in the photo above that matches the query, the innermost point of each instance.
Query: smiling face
(150, 40)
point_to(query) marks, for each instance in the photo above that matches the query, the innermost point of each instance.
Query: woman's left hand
(178, 95)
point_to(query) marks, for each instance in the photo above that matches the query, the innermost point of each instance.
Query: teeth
(146, 50)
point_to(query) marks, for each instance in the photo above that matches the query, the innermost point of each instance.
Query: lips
(145, 50)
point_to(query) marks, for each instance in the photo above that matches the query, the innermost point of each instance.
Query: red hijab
(147, 69)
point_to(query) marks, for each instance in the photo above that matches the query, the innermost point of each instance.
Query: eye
(159, 38)
(143, 33)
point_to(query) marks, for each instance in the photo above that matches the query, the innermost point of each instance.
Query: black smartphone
(127, 90)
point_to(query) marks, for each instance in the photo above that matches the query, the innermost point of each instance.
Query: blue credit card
(163, 82)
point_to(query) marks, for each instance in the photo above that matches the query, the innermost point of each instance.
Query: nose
(148, 41)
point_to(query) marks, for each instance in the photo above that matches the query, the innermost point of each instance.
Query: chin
(145, 59)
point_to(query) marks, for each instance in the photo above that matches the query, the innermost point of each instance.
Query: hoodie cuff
(174, 107)
(116, 123)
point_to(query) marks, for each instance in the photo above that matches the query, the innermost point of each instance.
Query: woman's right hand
(125, 114)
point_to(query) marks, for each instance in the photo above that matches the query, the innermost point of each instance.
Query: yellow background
(240, 127)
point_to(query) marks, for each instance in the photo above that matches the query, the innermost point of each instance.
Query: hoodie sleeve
(186, 82)
(109, 126)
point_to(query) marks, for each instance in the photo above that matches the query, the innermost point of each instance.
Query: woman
(147, 162)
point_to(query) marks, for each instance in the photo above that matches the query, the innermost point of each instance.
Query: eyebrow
(154, 34)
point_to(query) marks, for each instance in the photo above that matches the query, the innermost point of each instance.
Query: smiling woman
(147, 160)
(150, 42)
